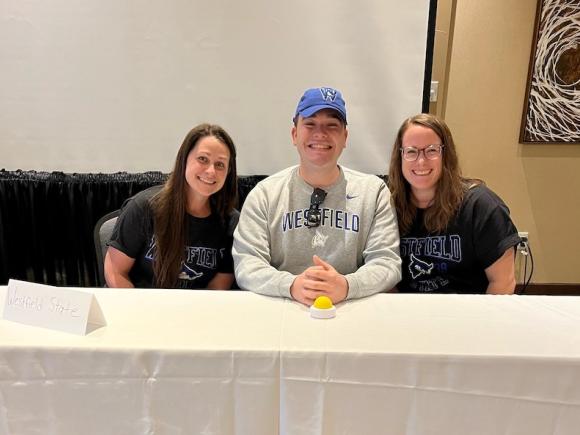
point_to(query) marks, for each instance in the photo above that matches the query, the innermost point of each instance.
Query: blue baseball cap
(316, 99)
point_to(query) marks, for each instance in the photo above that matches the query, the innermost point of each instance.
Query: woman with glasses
(180, 235)
(456, 234)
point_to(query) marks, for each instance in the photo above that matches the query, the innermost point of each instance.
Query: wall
(486, 82)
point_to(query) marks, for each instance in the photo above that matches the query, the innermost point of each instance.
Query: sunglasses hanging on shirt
(313, 216)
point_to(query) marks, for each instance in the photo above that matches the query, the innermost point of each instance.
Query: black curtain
(47, 221)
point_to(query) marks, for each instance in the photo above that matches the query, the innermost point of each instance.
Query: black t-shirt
(208, 250)
(455, 261)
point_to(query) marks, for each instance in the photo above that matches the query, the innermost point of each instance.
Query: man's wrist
(346, 287)
(291, 289)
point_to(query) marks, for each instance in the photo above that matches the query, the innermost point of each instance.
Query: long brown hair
(451, 186)
(170, 205)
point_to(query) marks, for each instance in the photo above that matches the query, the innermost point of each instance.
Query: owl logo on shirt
(419, 267)
(189, 274)
(319, 240)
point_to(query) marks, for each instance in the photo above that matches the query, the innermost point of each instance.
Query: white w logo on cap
(328, 94)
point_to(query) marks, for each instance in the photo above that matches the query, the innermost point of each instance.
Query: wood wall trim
(550, 289)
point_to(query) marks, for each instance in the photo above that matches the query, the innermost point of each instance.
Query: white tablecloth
(200, 362)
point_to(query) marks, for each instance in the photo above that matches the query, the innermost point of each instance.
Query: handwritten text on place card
(50, 307)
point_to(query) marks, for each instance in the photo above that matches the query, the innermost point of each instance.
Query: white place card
(63, 309)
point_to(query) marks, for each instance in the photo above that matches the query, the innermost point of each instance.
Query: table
(203, 362)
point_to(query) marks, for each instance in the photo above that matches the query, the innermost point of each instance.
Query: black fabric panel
(47, 222)
(245, 184)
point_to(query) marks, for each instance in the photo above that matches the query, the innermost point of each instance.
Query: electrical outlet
(523, 246)
(433, 92)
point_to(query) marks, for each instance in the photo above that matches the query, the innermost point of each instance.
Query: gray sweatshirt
(358, 234)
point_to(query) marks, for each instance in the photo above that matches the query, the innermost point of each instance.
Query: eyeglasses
(432, 152)
(313, 215)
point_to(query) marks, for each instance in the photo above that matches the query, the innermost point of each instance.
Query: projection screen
(115, 85)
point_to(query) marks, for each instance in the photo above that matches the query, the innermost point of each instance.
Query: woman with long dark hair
(179, 235)
(456, 234)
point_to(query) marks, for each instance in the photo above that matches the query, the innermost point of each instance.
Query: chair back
(102, 234)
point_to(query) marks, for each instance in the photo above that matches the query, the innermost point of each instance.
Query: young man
(318, 228)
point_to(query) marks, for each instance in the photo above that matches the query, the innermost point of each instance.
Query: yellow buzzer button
(322, 308)
(323, 302)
